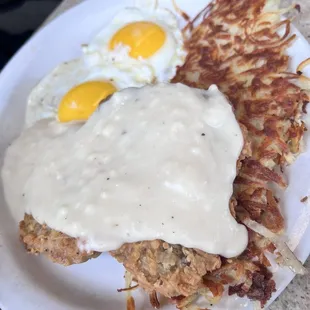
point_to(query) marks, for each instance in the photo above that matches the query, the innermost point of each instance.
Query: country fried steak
(171, 270)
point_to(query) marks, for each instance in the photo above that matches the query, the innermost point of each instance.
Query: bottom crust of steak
(171, 270)
(58, 247)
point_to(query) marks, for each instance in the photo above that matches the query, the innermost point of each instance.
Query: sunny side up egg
(73, 91)
(146, 42)
(138, 47)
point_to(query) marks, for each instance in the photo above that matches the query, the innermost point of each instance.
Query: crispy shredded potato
(289, 258)
(130, 302)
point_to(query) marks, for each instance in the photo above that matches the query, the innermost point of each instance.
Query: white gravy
(156, 162)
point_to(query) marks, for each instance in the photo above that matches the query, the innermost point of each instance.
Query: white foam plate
(32, 283)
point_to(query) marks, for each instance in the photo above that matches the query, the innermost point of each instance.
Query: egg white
(160, 67)
(45, 98)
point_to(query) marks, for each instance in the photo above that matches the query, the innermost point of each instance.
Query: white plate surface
(33, 283)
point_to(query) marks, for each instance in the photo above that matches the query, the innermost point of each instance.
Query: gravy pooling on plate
(156, 162)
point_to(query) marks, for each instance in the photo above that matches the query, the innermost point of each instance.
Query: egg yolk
(144, 38)
(81, 101)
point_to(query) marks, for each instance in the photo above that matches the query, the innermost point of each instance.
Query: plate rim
(79, 9)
